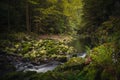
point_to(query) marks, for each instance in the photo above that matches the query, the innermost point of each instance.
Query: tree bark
(8, 15)
(27, 17)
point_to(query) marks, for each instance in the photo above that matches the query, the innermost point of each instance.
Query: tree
(27, 17)
(8, 16)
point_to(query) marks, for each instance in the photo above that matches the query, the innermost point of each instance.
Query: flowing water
(27, 66)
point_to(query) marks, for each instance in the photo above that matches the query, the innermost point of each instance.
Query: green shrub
(73, 64)
(102, 66)
(90, 72)
(102, 55)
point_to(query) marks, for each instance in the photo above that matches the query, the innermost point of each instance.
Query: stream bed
(28, 66)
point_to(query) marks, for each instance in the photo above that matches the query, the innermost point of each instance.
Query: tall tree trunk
(30, 20)
(8, 15)
(27, 17)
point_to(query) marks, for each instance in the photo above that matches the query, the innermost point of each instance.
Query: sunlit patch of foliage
(39, 49)
(49, 48)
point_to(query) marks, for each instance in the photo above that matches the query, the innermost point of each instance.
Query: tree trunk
(27, 17)
(8, 15)
(30, 20)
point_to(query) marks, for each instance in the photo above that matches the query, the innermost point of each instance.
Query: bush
(72, 64)
(102, 66)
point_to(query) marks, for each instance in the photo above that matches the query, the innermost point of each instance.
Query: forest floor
(57, 37)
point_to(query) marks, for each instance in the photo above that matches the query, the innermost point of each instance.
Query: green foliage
(45, 16)
(108, 75)
(40, 76)
(73, 10)
(99, 22)
(100, 27)
(109, 30)
(72, 64)
(74, 61)
(49, 20)
(48, 49)
(102, 66)
(36, 49)
(102, 55)
(90, 72)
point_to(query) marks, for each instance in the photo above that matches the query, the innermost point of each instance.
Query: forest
(59, 40)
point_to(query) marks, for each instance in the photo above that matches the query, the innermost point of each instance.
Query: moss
(72, 64)
(102, 66)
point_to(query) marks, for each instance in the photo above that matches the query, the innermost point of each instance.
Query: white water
(45, 67)
(82, 55)
(27, 66)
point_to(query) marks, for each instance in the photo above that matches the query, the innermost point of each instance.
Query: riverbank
(29, 53)
(42, 59)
